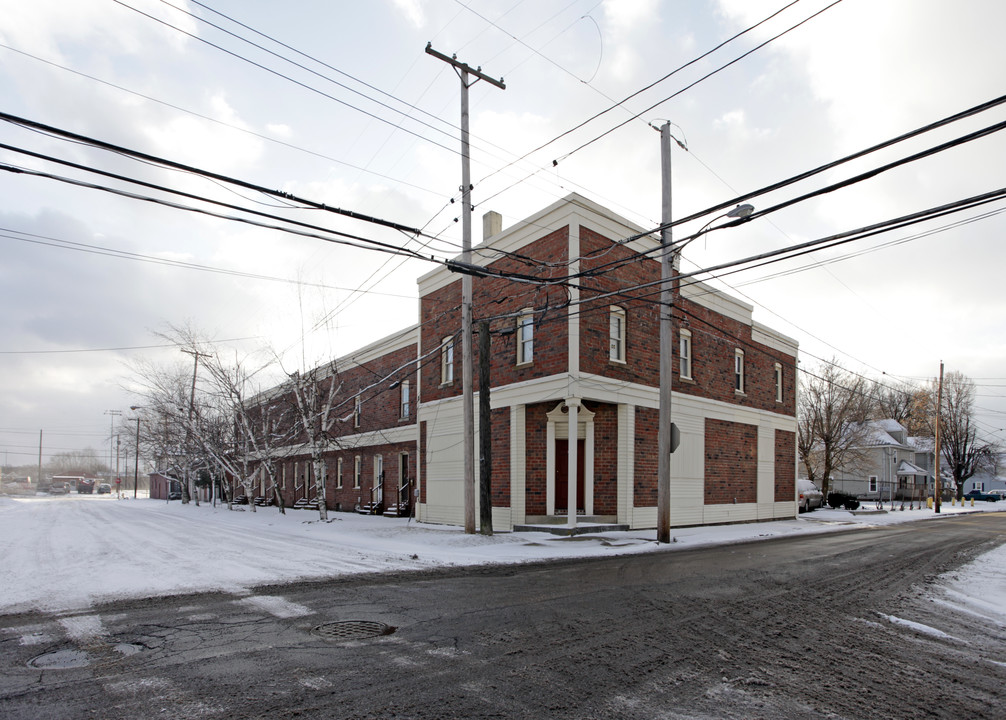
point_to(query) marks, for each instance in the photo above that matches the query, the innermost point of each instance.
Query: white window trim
(357, 411)
(447, 360)
(872, 484)
(778, 383)
(739, 371)
(357, 471)
(685, 357)
(616, 340)
(525, 337)
(338, 473)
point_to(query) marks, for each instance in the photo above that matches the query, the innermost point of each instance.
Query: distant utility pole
(39, 481)
(189, 484)
(467, 399)
(939, 412)
(111, 433)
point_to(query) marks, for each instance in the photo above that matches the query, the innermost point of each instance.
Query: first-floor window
(338, 473)
(356, 472)
(739, 371)
(873, 483)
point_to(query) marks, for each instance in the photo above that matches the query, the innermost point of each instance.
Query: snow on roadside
(70, 552)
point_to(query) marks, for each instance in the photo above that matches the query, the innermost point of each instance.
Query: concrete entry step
(566, 530)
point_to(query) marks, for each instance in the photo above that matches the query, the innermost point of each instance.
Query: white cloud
(193, 141)
(413, 11)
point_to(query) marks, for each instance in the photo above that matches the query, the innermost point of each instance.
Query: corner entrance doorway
(562, 477)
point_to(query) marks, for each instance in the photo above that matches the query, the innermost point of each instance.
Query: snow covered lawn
(70, 552)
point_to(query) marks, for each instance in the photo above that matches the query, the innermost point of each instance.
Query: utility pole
(939, 409)
(111, 433)
(189, 483)
(136, 460)
(467, 396)
(38, 483)
(485, 435)
(666, 342)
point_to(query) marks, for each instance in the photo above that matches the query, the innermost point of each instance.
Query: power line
(287, 77)
(216, 121)
(145, 157)
(49, 241)
(624, 100)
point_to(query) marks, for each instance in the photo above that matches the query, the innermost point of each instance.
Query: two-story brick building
(574, 325)
(573, 316)
(368, 432)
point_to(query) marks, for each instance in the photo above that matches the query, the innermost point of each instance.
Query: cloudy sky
(358, 116)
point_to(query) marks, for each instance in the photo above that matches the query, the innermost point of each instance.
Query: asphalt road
(790, 628)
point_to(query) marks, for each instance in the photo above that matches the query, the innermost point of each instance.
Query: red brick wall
(605, 458)
(536, 427)
(346, 497)
(440, 313)
(500, 419)
(731, 462)
(644, 493)
(715, 338)
(380, 403)
(785, 465)
(642, 320)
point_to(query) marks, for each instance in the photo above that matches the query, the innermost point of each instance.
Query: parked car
(979, 495)
(175, 495)
(1001, 494)
(58, 488)
(809, 495)
(104, 489)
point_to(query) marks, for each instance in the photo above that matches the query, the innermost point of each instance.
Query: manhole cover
(67, 659)
(61, 660)
(352, 630)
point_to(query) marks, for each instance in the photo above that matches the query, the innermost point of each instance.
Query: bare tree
(831, 426)
(905, 403)
(259, 426)
(315, 392)
(963, 453)
(76, 462)
(165, 393)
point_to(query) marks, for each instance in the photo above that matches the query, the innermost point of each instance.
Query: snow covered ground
(68, 553)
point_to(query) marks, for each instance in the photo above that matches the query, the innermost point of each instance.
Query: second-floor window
(616, 334)
(685, 353)
(405, 399)
(357, 410)
(525, 337)
(778, 382)
(447, 360)
(739, 371)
